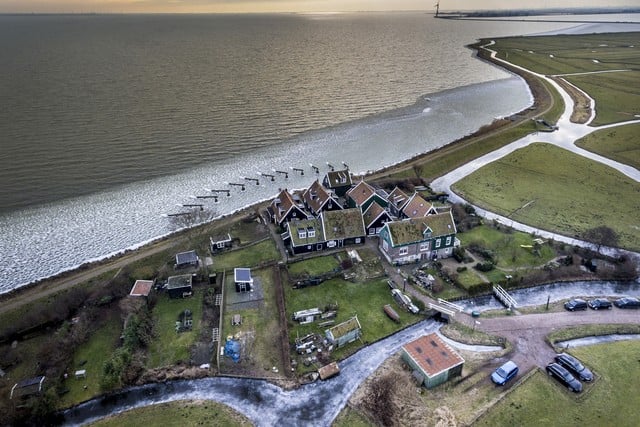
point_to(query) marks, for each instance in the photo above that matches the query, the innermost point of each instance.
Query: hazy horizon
(283, 6)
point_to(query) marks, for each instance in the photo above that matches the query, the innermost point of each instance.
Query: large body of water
(109, 122)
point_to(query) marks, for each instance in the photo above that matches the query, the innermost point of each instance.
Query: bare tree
(601, 236)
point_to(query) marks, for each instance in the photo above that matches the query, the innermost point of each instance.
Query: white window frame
(438, 241)
(403, 251)
(448, 240)
(424, 246)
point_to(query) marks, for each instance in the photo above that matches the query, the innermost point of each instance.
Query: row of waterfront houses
(339, 212)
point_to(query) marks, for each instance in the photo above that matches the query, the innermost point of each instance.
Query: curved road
(564, 137)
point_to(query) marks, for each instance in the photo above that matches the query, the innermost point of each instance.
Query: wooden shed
(344, 333)
(179, 286)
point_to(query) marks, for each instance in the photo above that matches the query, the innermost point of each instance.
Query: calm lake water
(109, 122)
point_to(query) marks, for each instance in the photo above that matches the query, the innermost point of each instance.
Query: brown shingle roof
(316, 196)
(373, 212)
(343, 224)
(282, 204)
(413, 230)
(361, 192)
(432, 354)
(417, 207)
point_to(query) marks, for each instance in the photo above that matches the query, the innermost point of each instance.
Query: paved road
(564, 137)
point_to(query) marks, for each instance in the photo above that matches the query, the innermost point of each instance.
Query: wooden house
(284, 209)
(338, 181)
(344, 333)
(375, 217)
(418, 239)
(317, 199)
(397, 199)
(343, 227)
(417, 207)
(363, 194)
(179, 286)
(432, 359)
(304, 236)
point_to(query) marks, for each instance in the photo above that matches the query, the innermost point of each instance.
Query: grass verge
(170, 347)
(542, 401)
(178, 414)
(570, 197)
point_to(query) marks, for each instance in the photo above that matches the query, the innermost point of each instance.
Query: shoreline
(541, 100)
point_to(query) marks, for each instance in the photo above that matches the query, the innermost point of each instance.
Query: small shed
(432, 359)
(180, 286)
(141, 288)
(220, 243)
(243, 280)
(328, 371)
(344, 333)
(187, 259)
(27, 387)
(81, 373)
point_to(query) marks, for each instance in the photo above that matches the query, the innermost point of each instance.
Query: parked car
(504, 373)
(600, 303)
(564, 376)
(574, 365)
(575, 304)
(627, 302)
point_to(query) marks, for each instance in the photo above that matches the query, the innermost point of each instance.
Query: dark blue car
(504, 373)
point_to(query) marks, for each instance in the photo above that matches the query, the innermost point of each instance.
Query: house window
(438, 241)
(357, 240)
(331, 244)
(311, 232)
(403, 251)
(424, 246)
(448, 240)
(302, 234)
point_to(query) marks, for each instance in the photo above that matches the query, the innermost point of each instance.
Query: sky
(229, 6)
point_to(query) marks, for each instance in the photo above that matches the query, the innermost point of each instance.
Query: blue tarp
(232, 349)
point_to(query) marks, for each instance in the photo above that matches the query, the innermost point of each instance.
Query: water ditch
(319, 403)
(555, 292)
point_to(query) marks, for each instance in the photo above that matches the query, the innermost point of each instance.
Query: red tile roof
(141, 288)
(432, 354)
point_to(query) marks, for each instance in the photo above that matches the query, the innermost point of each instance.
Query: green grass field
(91, 357)
(610, 401)
(170, 347)
(362, 299)
(177, 414)
(620, 144)
(573, 196)
(260, 329)
(507, 248)
(249, 256)
(615, 89)
(313, 266)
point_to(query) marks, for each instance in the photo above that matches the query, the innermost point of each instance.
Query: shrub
(484, 266)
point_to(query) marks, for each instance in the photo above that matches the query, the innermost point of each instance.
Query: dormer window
(302, 233)
(311, 232)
